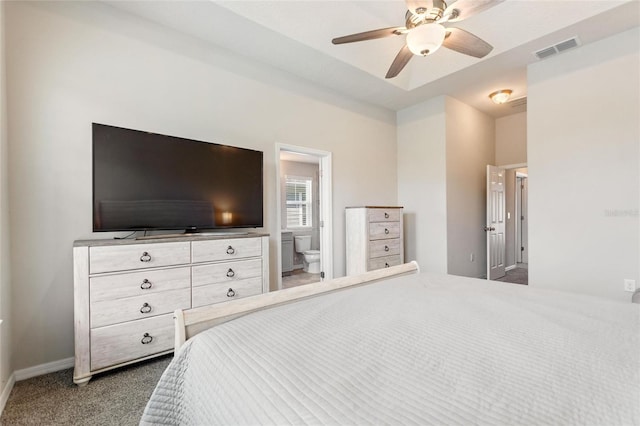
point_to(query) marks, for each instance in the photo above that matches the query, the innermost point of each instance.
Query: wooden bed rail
(190, 322)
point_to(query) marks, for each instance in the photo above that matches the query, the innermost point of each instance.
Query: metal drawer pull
(146, 257)
(230, 273)
(386, 248)
(146, 284)
(386, 264)
(146, 339)
(146, 308)
(230, 250)
(386, 215)
(386, 231)
(231, 293)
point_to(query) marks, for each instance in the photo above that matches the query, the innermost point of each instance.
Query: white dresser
(125, 291)
(374, 238)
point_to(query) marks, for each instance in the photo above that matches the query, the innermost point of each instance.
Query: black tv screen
(145, 181)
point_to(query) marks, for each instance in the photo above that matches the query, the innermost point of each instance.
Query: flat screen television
(147, 181)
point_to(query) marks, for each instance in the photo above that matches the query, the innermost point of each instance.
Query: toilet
(311, 257)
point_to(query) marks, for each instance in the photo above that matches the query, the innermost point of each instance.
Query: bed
(405, 348)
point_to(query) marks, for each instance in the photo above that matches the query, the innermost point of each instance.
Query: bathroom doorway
(304, 239)
(516, 262)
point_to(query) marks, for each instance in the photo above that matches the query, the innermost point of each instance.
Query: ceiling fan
(426, 31)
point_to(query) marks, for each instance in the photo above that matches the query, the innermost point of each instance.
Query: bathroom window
(299, 201)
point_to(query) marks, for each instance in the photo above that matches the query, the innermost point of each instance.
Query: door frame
(515, 231)
(326, 209)
(518, 222)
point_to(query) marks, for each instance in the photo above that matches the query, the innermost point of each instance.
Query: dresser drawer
(109, 312)
(117, 286)
(226, 272)
(125, 342)
(384, 262)
(384, 215)
(236, 248)
(224, 292)
(137, 256)
(383, 230)
(380, 248)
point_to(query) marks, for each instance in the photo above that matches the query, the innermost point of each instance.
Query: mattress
(421, 349)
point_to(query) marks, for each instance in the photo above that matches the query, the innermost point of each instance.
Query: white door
(495, 228)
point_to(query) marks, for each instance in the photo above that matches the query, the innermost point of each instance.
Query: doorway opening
(509, 261)
(304, 216)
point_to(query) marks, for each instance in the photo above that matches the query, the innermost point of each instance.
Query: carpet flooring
(519, 275)
(114, 398)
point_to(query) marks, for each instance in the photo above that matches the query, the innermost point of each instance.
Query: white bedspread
(420, 349)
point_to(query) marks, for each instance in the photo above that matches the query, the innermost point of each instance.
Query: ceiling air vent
(545, 53)
(557, 48)
(567, 44)
(516, 103)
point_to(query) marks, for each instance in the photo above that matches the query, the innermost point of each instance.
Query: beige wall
(583, 151)
(444, 147)
(511, 139)
(87, 62)
(5, 278)
(422, 183)
(470, 147)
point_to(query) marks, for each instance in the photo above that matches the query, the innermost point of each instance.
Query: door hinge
(321, 274)
(521, 248)
(322, 224)
(521, 217)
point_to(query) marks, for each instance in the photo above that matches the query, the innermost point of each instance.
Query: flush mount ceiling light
(426, 39)
(501, 96)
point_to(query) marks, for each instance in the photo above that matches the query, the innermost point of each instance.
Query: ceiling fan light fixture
(425, 39)
(501, 96)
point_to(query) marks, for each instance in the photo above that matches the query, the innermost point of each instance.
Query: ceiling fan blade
(463, 9)
(369, 35)
(464, 42)
(402, 59)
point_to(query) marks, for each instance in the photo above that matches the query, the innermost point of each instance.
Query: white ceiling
(295, 36)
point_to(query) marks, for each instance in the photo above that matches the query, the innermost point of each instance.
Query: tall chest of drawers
(125, 291)
(374, 238)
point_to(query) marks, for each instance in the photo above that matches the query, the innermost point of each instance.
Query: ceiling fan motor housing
(421, 12)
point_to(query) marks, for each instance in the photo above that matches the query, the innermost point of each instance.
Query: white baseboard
(27, 373)
(508, 268)
(4, 396)
(39, 370)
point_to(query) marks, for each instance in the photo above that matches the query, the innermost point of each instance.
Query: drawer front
(380, 248)
(216, 293)
(234, 248)
(109, 312)
(383, 230)
(142, 283)
(137, 256)
(384, 215)
(384, 262)
(124, 342)
(227, 272)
